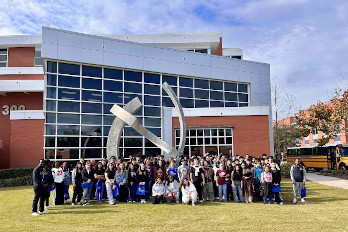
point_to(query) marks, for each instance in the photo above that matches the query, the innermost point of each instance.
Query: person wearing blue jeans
(236, 178)
(221, 182)
(110, 179)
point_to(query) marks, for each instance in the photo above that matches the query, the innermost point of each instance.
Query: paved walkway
(328, 180)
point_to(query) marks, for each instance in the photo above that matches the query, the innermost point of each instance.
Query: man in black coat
(40, 185)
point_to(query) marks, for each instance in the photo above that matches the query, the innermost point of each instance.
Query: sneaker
(303, 200)
(193, 204)
(294, 201)
(280, 203)
(44, 211)
(84, 204)
(35, 214)
(72, 203)
(201, 201)
(79, 203)
(49, 206)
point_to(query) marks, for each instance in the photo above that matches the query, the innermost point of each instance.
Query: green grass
(326, 210)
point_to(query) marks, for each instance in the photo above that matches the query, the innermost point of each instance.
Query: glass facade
(206, 140)
(78, 99)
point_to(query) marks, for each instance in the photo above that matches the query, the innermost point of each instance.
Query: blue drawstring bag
(98, 187)
(276, 189)
(141, 190)
(116, 191)
(51, 189)
(66, 194)
(86, 185)
(303, 192)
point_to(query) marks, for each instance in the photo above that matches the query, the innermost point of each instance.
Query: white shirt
(172, 187)
(58, 175)
(186, 189)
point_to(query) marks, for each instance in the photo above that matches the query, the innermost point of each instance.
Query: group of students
(141, 178)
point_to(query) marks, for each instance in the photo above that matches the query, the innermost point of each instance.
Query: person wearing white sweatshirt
(158, 191)
(189, 192)
(172, 190)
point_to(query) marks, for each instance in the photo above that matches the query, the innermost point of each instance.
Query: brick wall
(219, 48)
(21, 57)
(250, 133)
(22, 77)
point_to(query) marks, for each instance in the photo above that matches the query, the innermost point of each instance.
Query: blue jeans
(100, 192)
(133, 192)
(238, 192)
(223, 188)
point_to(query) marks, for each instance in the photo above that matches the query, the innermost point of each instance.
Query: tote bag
(303, 192)
(116, 190)
(276, 189)
(86, 185)
(141, 190)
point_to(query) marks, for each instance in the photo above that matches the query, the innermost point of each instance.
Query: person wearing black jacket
(276, 179)
(50, 183)
(40, 185)
(87, 177)
(142, 179)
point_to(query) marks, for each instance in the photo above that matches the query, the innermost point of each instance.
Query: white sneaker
(44, 211)
(79, 203)
(294, 201)
(201, 201)
(49, 206)
(72, 203)
(35, 214)
(193, 204)
(280, 203)
(303, 200)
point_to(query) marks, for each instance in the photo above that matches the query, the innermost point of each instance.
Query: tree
(326, 118)
(287, 136)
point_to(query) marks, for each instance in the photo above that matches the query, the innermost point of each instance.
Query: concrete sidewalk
(328, 180)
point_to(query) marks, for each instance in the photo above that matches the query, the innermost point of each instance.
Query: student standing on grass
(99, 175)
(266, 185)
(298, 177)
(40, 185)
(110, 179)
(237, 188)
(257, 170)
(77, 181)
(247, 183)
(58, 177)
(122, 180)
(87, 177)
(221, 182)
(189, 192)
(209, 178)
(276, 179)
(197, 177)
(183, 171)
(50, 183)
(132, 180)
(143, 180)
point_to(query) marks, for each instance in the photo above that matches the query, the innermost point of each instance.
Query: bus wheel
(343, 167)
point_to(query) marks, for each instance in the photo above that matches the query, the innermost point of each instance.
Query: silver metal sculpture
(125, 116)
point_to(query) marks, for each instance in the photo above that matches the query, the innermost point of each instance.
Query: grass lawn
(326, 210)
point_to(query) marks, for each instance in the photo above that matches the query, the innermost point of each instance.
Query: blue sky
(305, 41)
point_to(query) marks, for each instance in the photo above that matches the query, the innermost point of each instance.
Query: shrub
(327, 171)
(340, 172)
(15, 172)
(285, 169)
(19, 181)
(333, 172)
(321, 171)
(346, 172)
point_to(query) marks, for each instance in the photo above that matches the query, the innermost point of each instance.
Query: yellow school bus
(333, 157)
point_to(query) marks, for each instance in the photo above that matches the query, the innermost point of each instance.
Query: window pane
(128, 97)
(186, 103)
(152, 89)
(108, 120)
(155, 122)
(133, 142)
(128, 131)
(199, 141)
(184, 92)
(201, 94)
(221, 132)
(51, 79)
(192, 132)
(91, 130)
(91, 108)
(185, 82)
(229, 140)
(230, 96)
(243, 104)
(106, 130)
(68, 130)
(50, 118)
(152, 78)
(91, 119)
(243, 88)
(113, 74)
(91, 71)
(91, 153)
(113, 86)
(51, 92)
(155, 131)
(152, 111)
(132, 152)
(68, 118)
(51, 67)
(91, 141)
(243, 97)
(107, 108)
(175, 90)
(216, 104)
(91, 96)
(230, 86)
(132, 76)
(71, 69)
(64, 106)
(50, 142)
(50, 129)
(171, 80)
(228, 132)
(88, 83)
(231, 104)
(50, 105)
(196, 150)
(67, 153)
(166, 101)
(112, 97)
(49, 154)
(203, 84)
(199, 132)
(67, 141)
(206, 132)
(193, 141)
(68, 81)
(201, 104)
(148, 143)
(132, 87)
(216, 85)
(216, 95)
(69, 94)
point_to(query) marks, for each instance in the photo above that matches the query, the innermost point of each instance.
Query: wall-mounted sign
(7, 109)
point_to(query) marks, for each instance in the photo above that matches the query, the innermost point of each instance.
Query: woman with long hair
(237, 188)
(122, 180)
(109, 182)
(77, 181)
(132, 183)
(99, 175)
(247, 183)
(142, 180)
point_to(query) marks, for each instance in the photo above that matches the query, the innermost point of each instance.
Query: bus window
(306, 151)
(343, 151)
(322, 151)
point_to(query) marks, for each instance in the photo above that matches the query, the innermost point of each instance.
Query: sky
(304, 41)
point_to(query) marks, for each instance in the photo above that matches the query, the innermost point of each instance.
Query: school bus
(333, 157)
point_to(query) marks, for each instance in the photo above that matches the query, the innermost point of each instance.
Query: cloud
(305, 41)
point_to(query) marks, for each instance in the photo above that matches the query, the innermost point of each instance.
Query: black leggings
(59, 194)
(123, 193)
(78, 192)
(199, 189)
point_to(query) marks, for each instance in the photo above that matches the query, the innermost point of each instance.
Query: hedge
(15, 172)
(19, 181)
(285, 169)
